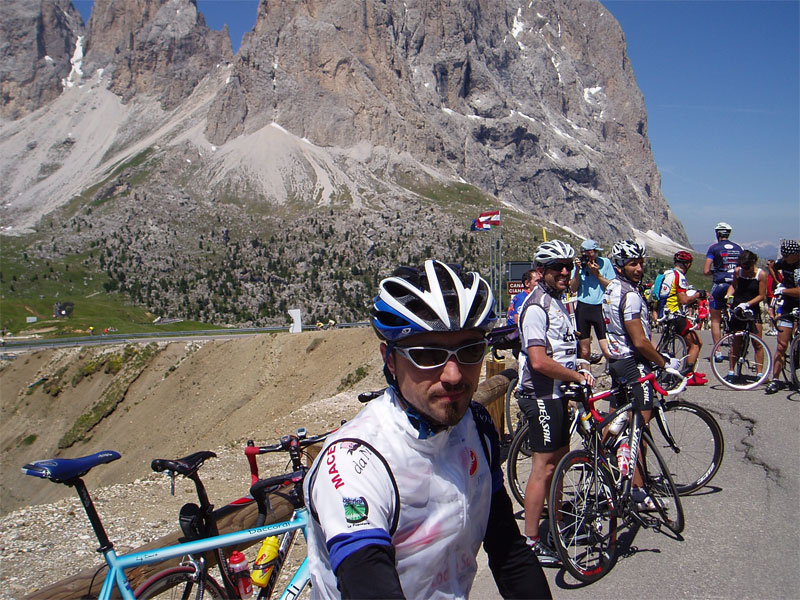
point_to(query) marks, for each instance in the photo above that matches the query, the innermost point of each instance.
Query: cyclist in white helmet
(628, 327)
(549, 346)
(403, 496)
(787, 272)
(720, 263)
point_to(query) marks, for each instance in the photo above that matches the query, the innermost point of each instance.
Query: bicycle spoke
(584, 527)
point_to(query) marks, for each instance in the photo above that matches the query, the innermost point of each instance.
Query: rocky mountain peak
(534, 103)
(161, 48)
(37, 40)
(343, 138)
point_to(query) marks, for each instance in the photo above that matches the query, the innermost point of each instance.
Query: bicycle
(791, 365)
(198, 524)
(591, 492)
(747, 360)
(689, 436)
(671, 341)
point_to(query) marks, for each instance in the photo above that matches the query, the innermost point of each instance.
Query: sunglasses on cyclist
(559, 266)
(432, 357)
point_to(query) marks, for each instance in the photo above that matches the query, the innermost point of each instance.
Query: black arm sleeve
(515, 568)
(369, 573)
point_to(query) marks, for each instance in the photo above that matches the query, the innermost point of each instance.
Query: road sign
(514, 287)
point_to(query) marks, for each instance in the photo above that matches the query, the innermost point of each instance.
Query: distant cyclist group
(553, 344)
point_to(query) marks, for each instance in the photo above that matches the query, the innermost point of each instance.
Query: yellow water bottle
(265, 561)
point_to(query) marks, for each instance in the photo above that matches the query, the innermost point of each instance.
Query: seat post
(91, 512)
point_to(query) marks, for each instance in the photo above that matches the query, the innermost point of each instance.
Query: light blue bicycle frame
(117, 564)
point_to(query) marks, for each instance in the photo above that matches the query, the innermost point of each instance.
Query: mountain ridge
(330, 114)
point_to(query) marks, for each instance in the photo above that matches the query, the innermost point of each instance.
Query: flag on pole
(486, 220)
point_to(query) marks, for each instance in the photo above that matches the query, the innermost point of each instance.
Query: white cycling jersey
(432, 504)
(546, 322)
(622, 302)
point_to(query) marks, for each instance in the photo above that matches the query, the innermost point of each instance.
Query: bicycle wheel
(513, 411)
(584, 528)
(519, 463)
(659, 486)
(794, 362)
(698, 447)
(747, 373)
(675, 346)
(178, 582)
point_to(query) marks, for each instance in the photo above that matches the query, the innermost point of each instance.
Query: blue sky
(721, 82)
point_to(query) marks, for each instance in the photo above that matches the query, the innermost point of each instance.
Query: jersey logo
(356, 510)
(473, 463)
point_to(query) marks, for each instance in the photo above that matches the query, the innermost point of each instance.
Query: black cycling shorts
(682, 325)
(588, 316)
(549, 422)
(631, 370)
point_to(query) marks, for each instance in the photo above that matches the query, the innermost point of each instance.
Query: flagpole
(500, 264)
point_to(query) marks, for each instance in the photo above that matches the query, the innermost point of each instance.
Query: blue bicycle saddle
(65, 469)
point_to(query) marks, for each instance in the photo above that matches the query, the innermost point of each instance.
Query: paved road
(742, 538)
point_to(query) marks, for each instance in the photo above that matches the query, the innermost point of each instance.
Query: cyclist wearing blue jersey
(403, 496)
(529, 280)
(721, 261)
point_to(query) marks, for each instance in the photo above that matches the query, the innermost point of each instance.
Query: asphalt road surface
(742, 538)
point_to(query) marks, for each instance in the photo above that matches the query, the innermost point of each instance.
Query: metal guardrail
(125, 337)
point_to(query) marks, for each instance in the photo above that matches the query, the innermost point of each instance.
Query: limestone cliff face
(161, 48)
(357, 104)
(37, 41)
(535, 103)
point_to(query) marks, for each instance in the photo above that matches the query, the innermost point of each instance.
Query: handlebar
(583, 392)
(261, 488)
(293, 444)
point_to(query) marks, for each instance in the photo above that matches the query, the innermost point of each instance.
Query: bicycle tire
(177, 582)
(512, 409)
(699, 444)
(518, 465)
(659, 486)
(794, 362)
(675, 346)
(584, 528)
(746, 373)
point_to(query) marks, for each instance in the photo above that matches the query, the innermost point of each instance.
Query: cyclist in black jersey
(787, 272)
(745, 293)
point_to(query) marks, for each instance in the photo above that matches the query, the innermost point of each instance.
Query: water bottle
(618, 424)
(265, 561)
(583, 419)
(624, 458)
(237, 563)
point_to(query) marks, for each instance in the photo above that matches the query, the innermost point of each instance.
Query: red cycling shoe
(696, 378)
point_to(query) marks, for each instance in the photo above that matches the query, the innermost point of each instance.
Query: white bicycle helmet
(434, 297)
(554, 251)
(626, 250)
(790, 247)
(723, 228)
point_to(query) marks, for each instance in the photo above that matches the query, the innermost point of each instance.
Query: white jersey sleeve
(354, 495)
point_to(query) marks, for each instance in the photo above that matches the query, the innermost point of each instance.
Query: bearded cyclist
(550, 346)
(628, 327)
(678, 296)
(720, 263)
(403, 496)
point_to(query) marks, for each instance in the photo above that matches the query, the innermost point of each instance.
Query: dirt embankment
(172, 399)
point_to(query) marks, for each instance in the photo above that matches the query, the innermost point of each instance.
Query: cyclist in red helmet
(678, 295)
